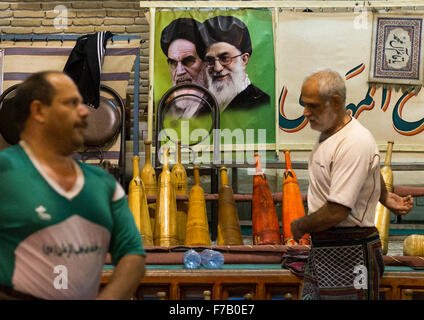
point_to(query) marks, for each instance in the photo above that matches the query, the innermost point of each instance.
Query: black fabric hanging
(84, 65)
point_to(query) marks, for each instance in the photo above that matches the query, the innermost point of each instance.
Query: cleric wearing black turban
(228, 51)
(182, 43)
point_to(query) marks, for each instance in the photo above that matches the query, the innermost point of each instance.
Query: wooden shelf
(255, 284)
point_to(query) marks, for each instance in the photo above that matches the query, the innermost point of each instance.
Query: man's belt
(345, 235)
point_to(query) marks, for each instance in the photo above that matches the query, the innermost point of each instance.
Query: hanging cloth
(84, 65)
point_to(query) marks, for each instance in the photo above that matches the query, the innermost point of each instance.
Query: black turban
(227, 29)
(183, 28)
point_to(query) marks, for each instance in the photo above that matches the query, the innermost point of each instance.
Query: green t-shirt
(54, 242)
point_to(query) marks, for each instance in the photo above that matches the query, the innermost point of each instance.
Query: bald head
(323, 96)
(329, 83)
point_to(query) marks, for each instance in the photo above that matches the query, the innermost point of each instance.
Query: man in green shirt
(59, 218)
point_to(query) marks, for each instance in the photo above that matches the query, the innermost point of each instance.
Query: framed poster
(229, 52)
(397, 57)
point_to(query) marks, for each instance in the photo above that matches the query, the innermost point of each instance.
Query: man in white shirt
(345, 186)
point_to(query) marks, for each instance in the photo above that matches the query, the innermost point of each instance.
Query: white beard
(225, 91)
(186, 107)
(325, 120)
(201, 78)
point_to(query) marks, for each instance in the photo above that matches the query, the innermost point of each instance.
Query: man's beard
(187, 107)
(324, 121)
(201, 78)
(225, 90)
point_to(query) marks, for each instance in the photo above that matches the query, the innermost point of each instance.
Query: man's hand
(329, 215)
(397, 204)
(125, 278)
(296, 230)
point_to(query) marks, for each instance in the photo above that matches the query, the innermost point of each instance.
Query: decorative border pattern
(396, 50)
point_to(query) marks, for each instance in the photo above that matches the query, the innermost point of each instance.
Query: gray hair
(329, 83)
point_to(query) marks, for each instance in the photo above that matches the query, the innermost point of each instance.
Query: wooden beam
(278, 4)
(150, 104)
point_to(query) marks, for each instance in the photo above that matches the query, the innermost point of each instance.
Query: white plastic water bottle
(212, 259)
(191, 259)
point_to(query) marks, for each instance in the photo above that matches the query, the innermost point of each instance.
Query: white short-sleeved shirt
(345, 169)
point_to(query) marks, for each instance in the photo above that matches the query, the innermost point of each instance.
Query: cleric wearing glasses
(227, 55)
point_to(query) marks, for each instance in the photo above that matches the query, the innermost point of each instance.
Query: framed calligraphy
(396, 56)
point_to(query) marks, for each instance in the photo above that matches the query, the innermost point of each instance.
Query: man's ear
(38, 111)
(245, 58)
(336, 101)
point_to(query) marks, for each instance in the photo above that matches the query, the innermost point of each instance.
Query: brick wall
(120, 17)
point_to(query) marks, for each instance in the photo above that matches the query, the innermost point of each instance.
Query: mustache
(219, 74)
(183, 80)
(83, 124)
